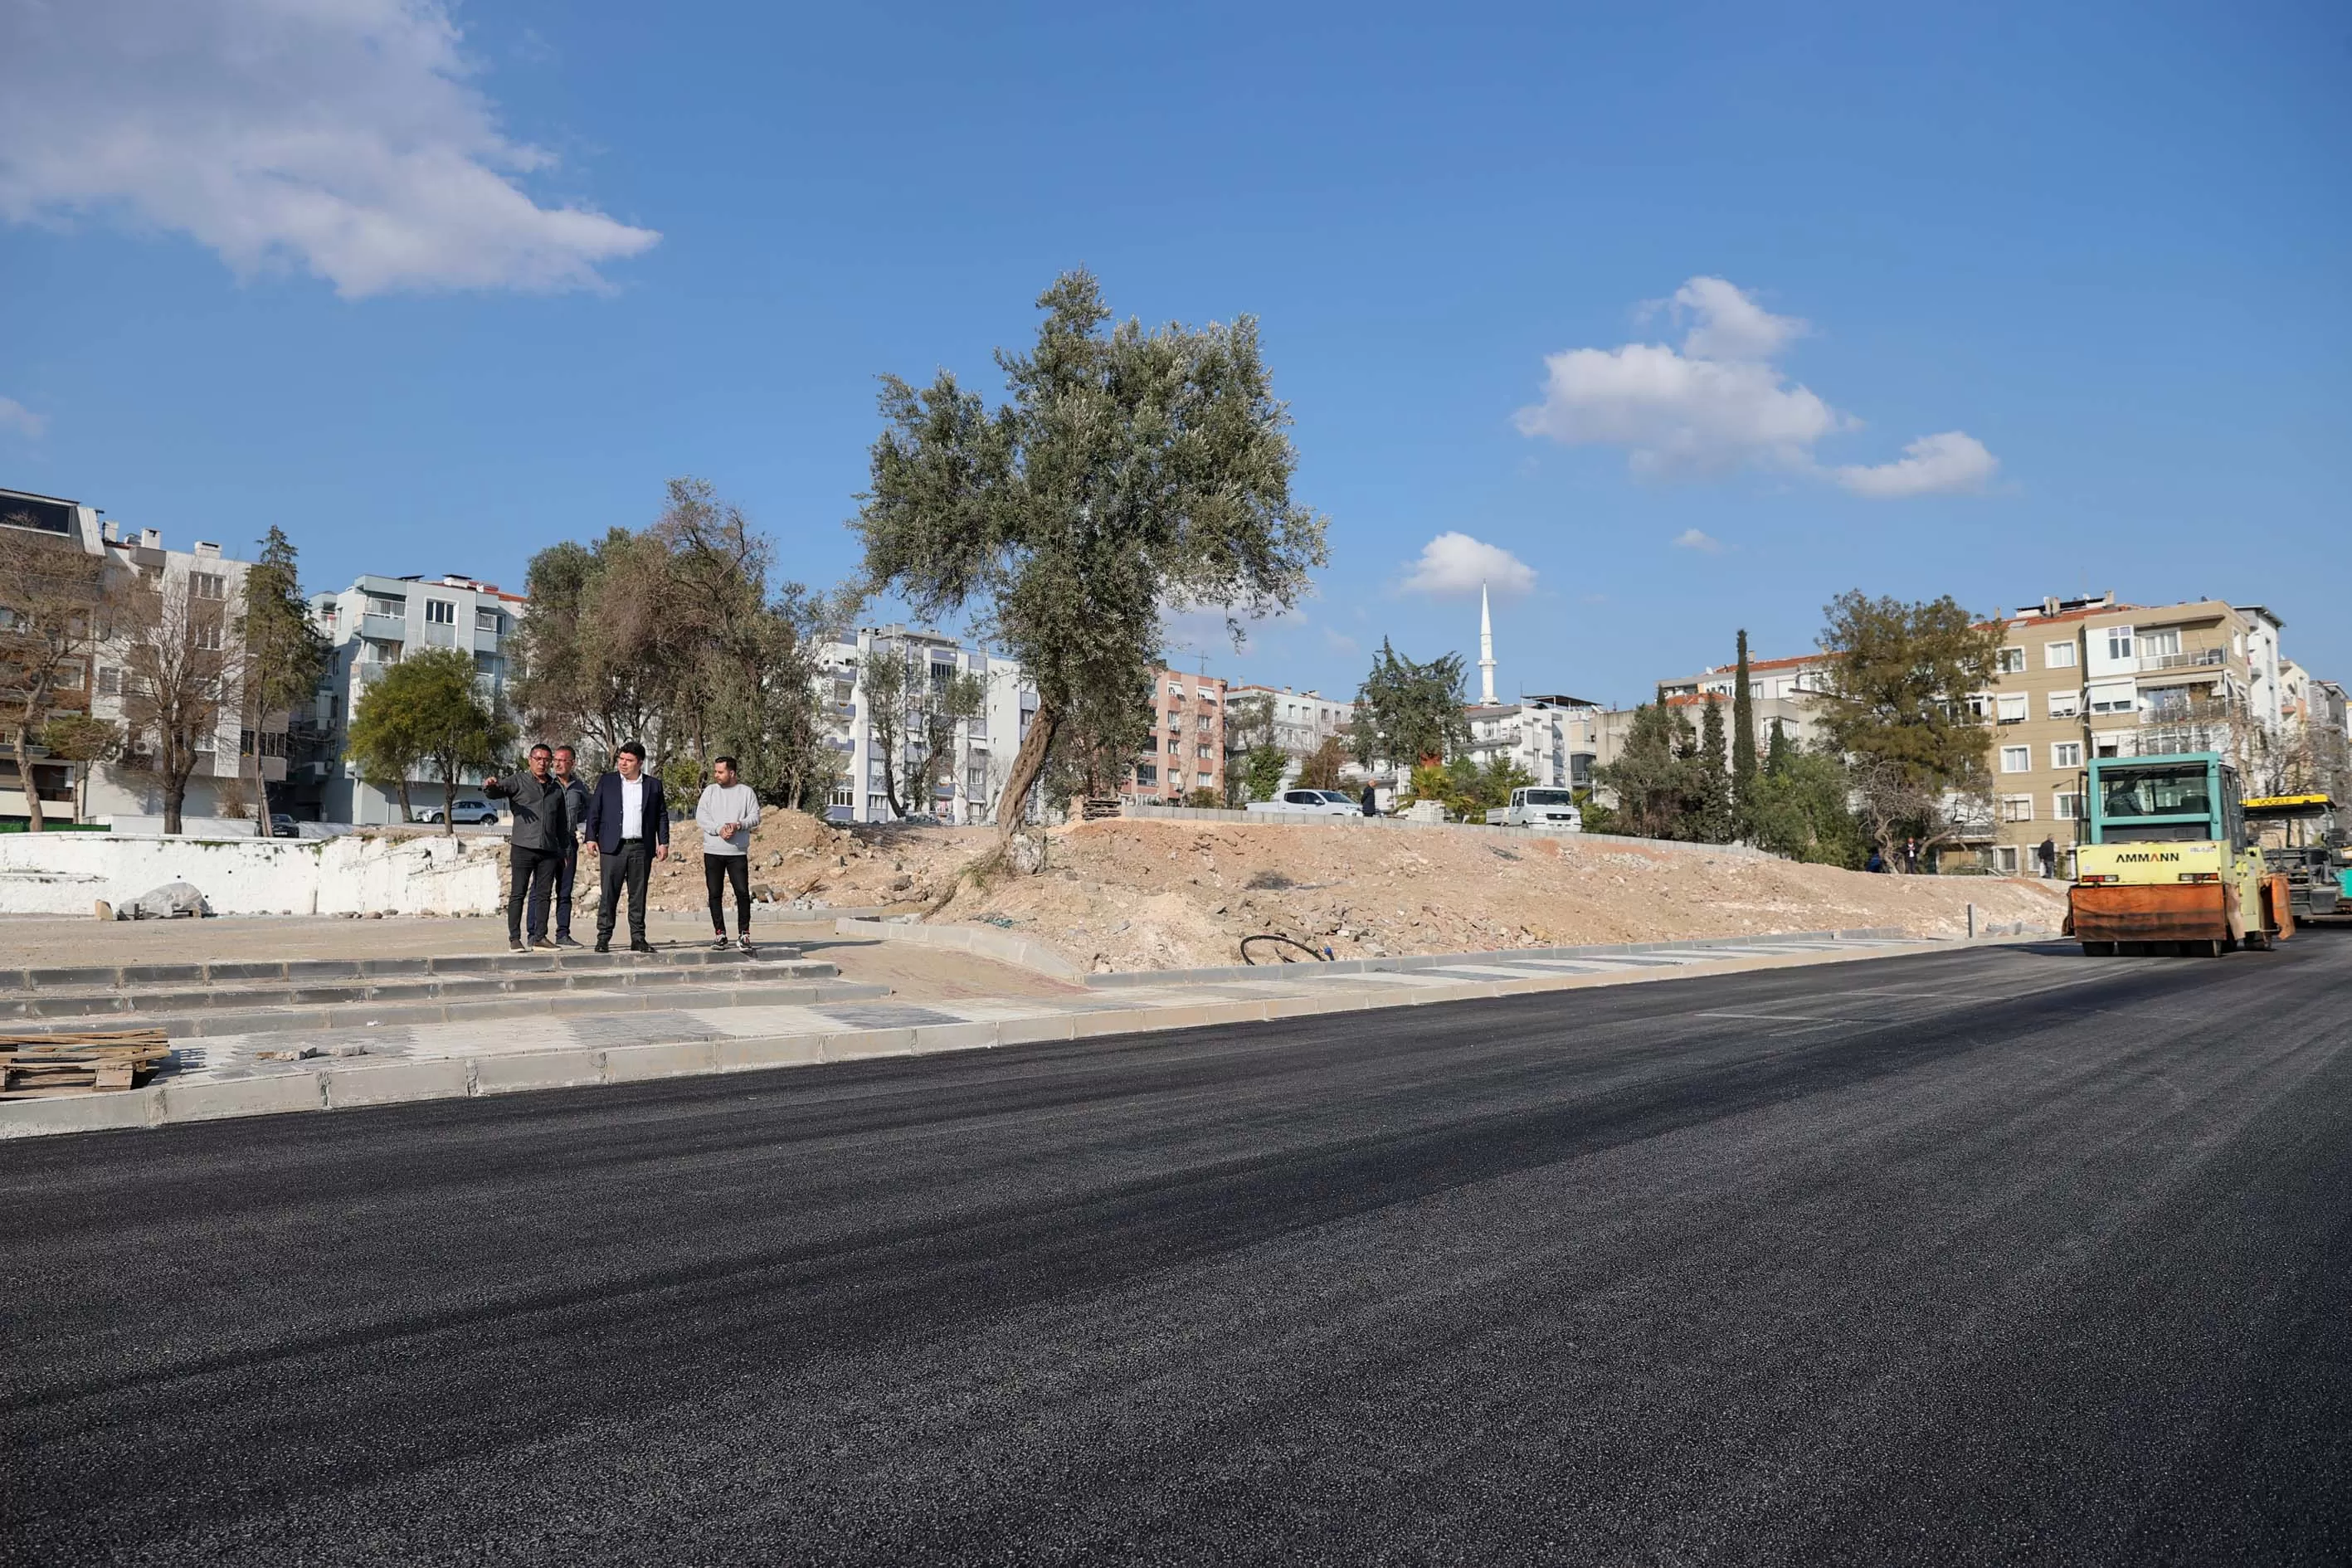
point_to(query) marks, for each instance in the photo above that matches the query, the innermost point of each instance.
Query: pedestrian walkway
(609, 1023)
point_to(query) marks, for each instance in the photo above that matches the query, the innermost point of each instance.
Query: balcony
(383, 628)
(2195, 658)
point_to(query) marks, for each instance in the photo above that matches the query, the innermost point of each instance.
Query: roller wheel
(2098, 949)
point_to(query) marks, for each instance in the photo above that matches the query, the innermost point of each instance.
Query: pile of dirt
(1141, 895)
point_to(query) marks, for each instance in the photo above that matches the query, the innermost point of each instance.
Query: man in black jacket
(627, 829)
(542, 827)
(575, 804)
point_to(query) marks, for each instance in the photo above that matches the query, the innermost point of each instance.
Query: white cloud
(339, 135)
(1730, 325)
(1455, 564)
(1692, 539)
(1933, 465)
(14, 416)
(1718, 403)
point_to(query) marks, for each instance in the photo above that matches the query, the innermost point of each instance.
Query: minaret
(1486, 649)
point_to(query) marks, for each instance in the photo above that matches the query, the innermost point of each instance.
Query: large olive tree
(1131, 473)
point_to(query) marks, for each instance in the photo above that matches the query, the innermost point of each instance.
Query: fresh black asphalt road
(2001, 1255)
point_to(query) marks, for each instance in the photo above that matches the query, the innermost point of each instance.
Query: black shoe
(602, 946)
(747, 950)
(719, 943)
(564, 939)
(641, 947)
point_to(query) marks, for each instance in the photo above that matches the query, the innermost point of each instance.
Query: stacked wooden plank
(33, 1067)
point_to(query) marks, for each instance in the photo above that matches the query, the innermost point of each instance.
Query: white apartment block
(967, 790)
(1556, 740)
(241, 752)
(370, 626)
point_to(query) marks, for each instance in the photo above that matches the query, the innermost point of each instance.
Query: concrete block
(138, 1108)
(292, 1020)
(395, 1083)
(244, 1097)
(768, 1051)
(537, 1070)
(158, 974)
(954, 1038)
(1031, 1031)
(90, 979)
(857, 1045)
(625, 1063)
(324, 969)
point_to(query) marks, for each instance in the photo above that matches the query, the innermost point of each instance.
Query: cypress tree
(1743, 747)
(1776, 756)
(1711, 784)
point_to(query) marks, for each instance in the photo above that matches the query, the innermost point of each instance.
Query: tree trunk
(449, 804)
(24, 777)
(407, 812)
(175, 786)
(1027, 763)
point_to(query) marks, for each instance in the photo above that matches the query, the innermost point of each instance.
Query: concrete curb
(341, 1088)
(987, 941)
(1409, 961)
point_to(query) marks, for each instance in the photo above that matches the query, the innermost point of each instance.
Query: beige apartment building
(2081, 678)
(1186, 748)
(2077, 679)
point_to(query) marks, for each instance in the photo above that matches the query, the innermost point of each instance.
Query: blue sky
(389, 277)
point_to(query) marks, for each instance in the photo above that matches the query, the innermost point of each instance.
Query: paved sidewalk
(242, 1074)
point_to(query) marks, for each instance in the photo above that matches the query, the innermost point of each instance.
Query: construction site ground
(1137, 894)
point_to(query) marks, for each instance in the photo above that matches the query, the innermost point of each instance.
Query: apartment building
(1556, 740)
(967, 788)
(1783, 692)
(2315, 756)
(1302, 722)
(2080, 679)
(370, 626)
(1186, 748)
(65, 525)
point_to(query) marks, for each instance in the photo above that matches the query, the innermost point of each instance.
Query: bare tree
(914, 710)
(1892, 803)
(175, 667)
(52, 603)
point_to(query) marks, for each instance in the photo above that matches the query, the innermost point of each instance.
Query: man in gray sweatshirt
(727, 814)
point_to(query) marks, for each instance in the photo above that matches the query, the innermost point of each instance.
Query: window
(379, 604)
(1203, 753)
(2012, 707)
(1203, 723)
(2016, 759)
(207, 585)
(110, 681)
(202, 743)
(486, 621)
(2065, 705)
(440, 612)
(207, 635)
(2114, 699)
(2012, 661)
(70, 675)
(2107, 746)
(2005, 859)
(2058, 656)
(1979, 704)
(975, 781)
(2066, 806)
(2119, 642)
(1146, 773)
(2017, 808)
(2158, 644)
(844, 791)
(2065, 754)
(1205, 781)
(1151, 744)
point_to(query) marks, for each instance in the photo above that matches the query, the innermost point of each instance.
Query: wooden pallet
(35, 1067)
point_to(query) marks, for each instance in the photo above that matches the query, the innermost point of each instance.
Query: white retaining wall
(65, 873)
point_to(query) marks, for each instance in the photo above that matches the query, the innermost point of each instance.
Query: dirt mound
(1140, 895)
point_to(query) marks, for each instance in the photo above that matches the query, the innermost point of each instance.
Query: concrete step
(568, 960)
(747, 991)
(250, 996)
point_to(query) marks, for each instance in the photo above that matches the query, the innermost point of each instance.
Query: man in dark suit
(542, 827)
(627, 829)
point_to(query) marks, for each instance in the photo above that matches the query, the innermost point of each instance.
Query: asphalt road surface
(2002, 1255)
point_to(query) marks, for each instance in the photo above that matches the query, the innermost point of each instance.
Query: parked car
(281, 826)
(1309, 802)
(1554, 809)
(467, 814)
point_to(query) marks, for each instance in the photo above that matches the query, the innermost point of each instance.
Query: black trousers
(566, 870)
(718, 870)
(625, 867)
(530, 876)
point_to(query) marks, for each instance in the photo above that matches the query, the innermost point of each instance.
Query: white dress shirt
(632, 808)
